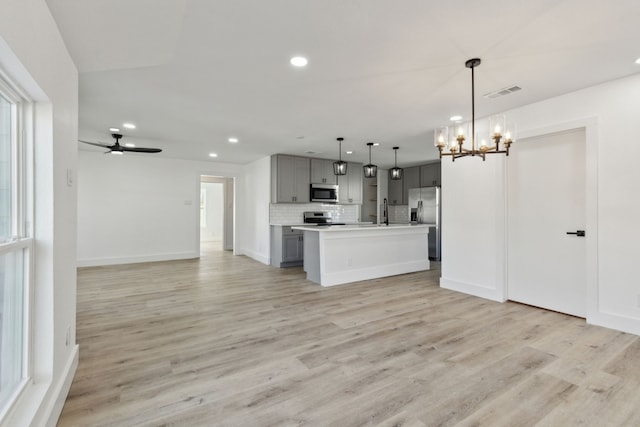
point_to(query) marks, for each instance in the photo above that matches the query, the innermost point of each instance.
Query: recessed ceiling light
(375, 144)
(130, 145)
(114, 130)
(455, 118)
(213, 155)
(233, 140)
(349, 152)
(638, 61)
(299, 61)
(129, 125)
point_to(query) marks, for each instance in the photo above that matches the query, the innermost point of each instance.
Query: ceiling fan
(120, 149)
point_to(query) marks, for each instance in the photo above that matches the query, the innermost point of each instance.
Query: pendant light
(340, 167)
(370, 170)
(395, 173)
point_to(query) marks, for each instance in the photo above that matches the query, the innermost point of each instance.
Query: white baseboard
(256, 256)
(95, 262)
(615, 321)
(61, 390)
(472, 289)
(371, 272)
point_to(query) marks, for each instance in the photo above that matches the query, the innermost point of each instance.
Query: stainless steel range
(320, 218)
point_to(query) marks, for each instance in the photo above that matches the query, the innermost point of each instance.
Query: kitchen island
(342, 254)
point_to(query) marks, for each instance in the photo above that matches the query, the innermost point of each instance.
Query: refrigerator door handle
(419, 212)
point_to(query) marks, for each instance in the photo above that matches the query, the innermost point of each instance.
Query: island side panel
(312, 255)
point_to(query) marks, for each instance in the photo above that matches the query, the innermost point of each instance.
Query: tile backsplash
(399, 213)
(291, 214)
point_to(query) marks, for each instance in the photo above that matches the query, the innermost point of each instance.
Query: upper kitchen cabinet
(290, 179)
(395, 192)
(322, 172)
(430, 175)
(410, 179)
(350, 185)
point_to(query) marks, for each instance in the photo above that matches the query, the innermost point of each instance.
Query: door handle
(579, 233)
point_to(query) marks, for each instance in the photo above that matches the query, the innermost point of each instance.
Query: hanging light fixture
(340, 167)
(370, 170)
(498, 132)
(395, 173)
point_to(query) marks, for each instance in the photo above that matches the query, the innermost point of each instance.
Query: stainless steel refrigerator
(425, 208)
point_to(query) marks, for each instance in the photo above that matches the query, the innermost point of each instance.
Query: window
(15, 243)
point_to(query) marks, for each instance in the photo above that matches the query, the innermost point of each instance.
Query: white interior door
(546, 199)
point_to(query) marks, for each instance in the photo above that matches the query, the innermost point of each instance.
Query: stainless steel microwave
(325, 193)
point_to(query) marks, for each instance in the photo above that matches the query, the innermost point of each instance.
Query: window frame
(22, 214)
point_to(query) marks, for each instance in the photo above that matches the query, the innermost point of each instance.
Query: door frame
(228, 212)
(590, 126)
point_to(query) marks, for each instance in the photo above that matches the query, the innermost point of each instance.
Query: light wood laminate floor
(227, 341)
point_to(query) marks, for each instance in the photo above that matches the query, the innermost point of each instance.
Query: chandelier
(498, 132)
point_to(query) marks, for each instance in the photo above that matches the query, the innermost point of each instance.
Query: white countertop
(315, 225)
(337, 228)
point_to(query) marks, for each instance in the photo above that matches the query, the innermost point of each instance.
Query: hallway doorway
(216, 212)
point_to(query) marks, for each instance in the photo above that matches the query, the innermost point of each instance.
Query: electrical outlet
(71, 179)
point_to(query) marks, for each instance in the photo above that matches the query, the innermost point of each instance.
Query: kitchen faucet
(386, 212)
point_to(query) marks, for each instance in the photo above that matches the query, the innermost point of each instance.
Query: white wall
(474, 245)
(255, 196)
(211, 230)
(138, 208)
(34, 55)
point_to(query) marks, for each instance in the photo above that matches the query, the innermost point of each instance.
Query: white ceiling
(191, 73)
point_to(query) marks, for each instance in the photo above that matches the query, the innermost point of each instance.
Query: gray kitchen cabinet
(292, 249)
(414, 177)
(395, 192)
(350, 185)
(287, 246)
(322, 171)
(410, 179)
(430, 175)
(290, 179)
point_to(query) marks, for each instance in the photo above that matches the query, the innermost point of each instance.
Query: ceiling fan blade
(141, 149)
(96, 144)
(122, 148)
